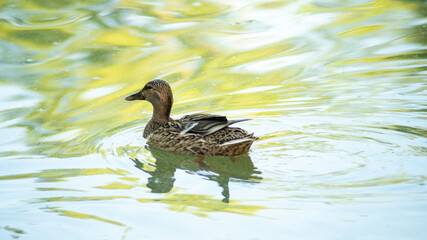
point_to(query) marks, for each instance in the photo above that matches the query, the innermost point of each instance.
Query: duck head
(159, 94)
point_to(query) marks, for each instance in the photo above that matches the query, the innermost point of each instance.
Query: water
(336, 90)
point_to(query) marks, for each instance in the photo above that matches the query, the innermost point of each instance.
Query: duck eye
(149, 87)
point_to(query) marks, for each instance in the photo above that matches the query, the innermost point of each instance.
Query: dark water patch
(45, 37)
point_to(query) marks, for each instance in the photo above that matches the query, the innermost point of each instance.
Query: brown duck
(196, 134)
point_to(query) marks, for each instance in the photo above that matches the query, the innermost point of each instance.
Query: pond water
(336, 91)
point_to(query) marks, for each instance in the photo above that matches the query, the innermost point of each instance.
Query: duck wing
(205, 124)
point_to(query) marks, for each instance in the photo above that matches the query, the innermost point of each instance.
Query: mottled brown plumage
(196, 134)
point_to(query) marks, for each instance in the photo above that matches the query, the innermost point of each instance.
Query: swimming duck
(195, 134)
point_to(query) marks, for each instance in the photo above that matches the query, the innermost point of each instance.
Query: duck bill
(136, 96)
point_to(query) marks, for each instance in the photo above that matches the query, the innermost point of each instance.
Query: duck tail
(237, 141)
(236, 147)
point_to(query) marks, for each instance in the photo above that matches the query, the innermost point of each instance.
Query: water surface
(336, 90)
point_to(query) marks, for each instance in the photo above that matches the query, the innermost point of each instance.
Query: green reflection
(101, 56)
(15, 230)
(406, 129)
(41, 36)
(219, 169)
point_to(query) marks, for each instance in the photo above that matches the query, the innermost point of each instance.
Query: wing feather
(205, 124)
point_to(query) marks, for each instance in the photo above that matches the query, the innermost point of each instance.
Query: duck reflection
(218, 169)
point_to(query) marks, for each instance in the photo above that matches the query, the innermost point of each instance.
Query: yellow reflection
(361, 30)
(57, 175)
(119, 37)
(201, 205)
(84, 216)
(116, 185)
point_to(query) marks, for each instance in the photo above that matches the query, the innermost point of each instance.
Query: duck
(195, 134)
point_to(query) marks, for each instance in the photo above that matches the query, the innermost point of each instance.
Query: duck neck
(160, 117)
(161, 113)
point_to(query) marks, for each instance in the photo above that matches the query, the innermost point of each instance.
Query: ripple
(245, 27)
(125, 141)
(202, 9)
(43, 19)
(336, 91)
(307, 155)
